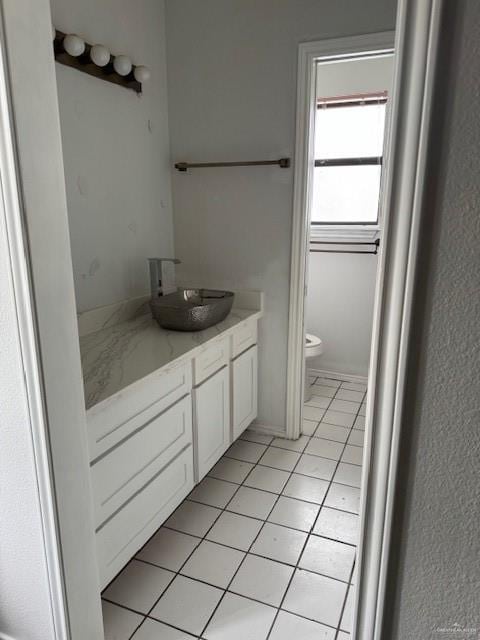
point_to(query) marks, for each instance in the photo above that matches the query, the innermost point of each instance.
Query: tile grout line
(168, 624)
(323, 505)
(252, 553)
(256, 537)
(224, 509)
(306, 541)
(202, 539)
(237, 513)
(356, 547)
(314, 524)
(292, 451)
(264, 521)
(344, 606)
(177, 573)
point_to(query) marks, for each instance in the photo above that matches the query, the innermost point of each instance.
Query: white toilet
(313, 348)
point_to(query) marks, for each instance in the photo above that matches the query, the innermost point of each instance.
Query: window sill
(345, 234)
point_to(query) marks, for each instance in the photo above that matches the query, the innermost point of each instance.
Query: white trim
(267, 430)
(18, 253)
(304, 156)
(337, 375)
(417, 43)
(345, 233)
(416, 46)
(41, 189)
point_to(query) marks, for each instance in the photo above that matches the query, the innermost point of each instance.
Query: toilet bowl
(313, 348)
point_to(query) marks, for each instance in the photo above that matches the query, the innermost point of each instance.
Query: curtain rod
(375, 243)
(283, 163)
(353, 100)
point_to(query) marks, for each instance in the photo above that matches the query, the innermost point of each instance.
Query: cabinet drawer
(244, 337)
(115, 418)
(127, 468)
(126, 532)
(213, 358)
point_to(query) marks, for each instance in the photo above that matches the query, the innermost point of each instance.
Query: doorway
(418, 84)
(344, 93)
(316, 67)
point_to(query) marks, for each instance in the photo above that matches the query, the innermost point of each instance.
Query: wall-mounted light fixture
(96, 60)
(122, 65)
(142, 74)
(74, 45)
(99, 55)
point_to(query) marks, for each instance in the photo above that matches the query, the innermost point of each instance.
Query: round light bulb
(142, 74)
(73, 45)
(122, 65)
(100, 55)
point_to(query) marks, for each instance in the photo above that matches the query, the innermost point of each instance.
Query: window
(348, 161)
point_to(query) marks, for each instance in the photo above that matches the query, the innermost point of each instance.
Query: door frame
(416, 48)
(38, 235)
(308, 53)
(41, 272)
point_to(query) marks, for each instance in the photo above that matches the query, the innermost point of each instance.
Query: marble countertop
(119, 355)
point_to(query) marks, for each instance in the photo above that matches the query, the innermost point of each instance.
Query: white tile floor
(264, 547)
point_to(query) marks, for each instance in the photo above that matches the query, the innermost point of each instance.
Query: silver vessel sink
(191, 309)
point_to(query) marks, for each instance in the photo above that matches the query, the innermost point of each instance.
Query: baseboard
(267, 430)
(337, 375)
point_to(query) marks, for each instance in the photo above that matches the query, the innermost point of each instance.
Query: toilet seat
(313, 346)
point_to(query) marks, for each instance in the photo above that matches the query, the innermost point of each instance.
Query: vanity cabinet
(211, 421)
(129, 467)
(244, 391)
(116, 418)
(211, 360)
(154, 440)
(121, 536)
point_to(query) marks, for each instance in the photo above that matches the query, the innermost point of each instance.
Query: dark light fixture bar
(283, 163)
(84, 63)
(375, 243)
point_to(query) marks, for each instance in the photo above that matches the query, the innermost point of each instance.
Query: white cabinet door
(244, 391)
(212, 421)
(120, 537)
(122, 473)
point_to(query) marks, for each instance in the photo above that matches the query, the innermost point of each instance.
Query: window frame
(351, 230)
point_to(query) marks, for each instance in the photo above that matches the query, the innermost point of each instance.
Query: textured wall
(437, 569)
(116, 152)
(232, 90)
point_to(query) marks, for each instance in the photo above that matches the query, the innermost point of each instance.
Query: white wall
(341, 287)
(340, 296)
(44, 219)
(24, 586)
(435, 581)
(232, 93)
(116, 152)
(350, 77)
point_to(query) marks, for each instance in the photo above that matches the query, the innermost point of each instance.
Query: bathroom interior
(209, 522)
